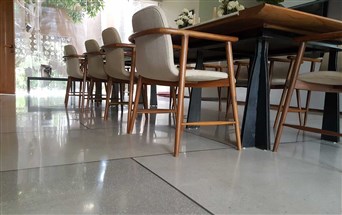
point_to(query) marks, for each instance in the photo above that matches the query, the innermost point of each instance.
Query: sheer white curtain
(118, 14)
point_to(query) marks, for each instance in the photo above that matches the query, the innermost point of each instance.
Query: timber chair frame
(72, 79)
(131, 81)
(305, 82)
(299, 109)
(93, 81)
(181, 83)
(95, 70)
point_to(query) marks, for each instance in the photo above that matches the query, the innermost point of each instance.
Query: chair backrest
(115, 61)
(325, 62)
(72, 63)
(95, 61)
(154, 53)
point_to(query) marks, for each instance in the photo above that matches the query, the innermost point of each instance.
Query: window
(42, 31)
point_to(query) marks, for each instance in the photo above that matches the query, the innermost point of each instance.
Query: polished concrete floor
(58, 161)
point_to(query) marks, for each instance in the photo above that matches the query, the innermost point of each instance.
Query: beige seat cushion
(204, 75)
(322, 77)
(278, 81)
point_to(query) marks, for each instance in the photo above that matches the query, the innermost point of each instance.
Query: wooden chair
(323, 81)
(95, 69)
(116, 70)
(75, 70)
(279, 72)
(155, 65)
(284, 86)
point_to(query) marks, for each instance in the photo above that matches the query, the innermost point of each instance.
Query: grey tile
(48, 148)
(107, 187)
(252, 181)
(37, 131)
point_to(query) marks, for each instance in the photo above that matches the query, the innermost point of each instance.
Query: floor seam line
(181, 192)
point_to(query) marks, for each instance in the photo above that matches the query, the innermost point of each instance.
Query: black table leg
(194, 111)
(331, 115)
(255, 125)
(28, 85)
(153, 98)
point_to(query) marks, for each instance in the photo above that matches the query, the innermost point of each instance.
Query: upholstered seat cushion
(204, 75)
(278, 81)
(322, 77)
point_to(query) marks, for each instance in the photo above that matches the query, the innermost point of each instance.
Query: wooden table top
(270, 17)
(278, 24)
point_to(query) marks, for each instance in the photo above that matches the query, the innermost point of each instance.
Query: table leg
(28, 85)
(256, 120)
(331, 114)
(194, 110)
(153, 98)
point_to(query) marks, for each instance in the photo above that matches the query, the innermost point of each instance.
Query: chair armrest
(177, 47)
(214, 66)
(93, 53)
(73, 56)
(283, 60)
(119, 45)
(309, 59)
(182, 32)
(127, 47)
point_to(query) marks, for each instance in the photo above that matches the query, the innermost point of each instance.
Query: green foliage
(76, 9)
(271, 1)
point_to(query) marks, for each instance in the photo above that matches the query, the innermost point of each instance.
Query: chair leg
(219, 97)
(236, 117)
(280, 107)
(66, 99)
(308, 96)
(284, 112)
(179, 120)
(108, 95)
(145, 102)
(299, 106)
(122, 88)
(135, 107)
(228, 102)
(289, 93)
(170, 97)
(130, 104)
(307, 104)
(90, 93)
(80, 94)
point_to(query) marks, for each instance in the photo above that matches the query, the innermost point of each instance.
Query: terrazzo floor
(64, 161)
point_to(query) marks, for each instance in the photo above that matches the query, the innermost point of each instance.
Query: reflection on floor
(57, 161)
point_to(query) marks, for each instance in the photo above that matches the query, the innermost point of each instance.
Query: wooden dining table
(264, 30)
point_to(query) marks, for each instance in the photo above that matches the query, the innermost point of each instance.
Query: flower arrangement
(229, 6)
(185, 19)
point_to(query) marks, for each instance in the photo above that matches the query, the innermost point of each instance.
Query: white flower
(185, 10)
(179, 22)
(232, 5)
(220, 12)
(240, 7)
(186, 18)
